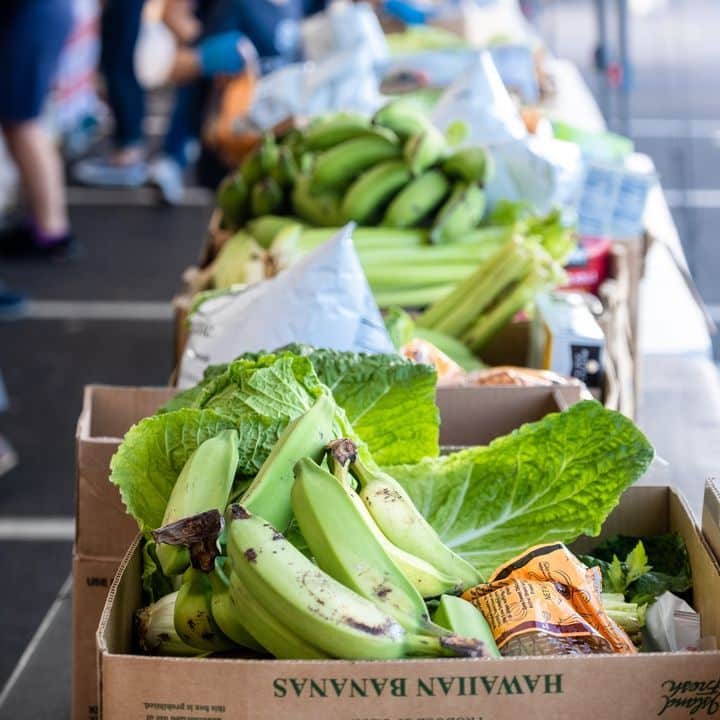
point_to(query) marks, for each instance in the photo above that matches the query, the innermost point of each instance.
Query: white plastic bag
(323, 300)
(344, 26)
(343, 81)
(479, 98)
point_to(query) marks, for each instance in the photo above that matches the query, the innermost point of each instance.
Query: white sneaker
(168, 176)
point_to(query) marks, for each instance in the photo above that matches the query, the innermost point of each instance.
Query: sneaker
(167, 175)
(101, 172)
(22, 242)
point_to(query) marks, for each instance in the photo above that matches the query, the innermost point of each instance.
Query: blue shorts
(32, 34)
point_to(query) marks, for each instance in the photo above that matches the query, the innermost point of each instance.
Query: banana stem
(199, 533)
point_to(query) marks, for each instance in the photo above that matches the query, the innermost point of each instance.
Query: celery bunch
(493, 293)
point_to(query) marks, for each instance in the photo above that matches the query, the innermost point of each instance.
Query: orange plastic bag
(546, 602)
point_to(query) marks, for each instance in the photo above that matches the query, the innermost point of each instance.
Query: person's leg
(120, 29)
(31, 39)
(38, 162)
(124, 166)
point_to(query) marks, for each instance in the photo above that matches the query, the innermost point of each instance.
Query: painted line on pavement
(78, 196)
(53, 529)
(36, 641)
(96, 310)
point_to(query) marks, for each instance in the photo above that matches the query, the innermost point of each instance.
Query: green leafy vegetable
(400, 326)
(548, 481)
(153, 453)
(549, 230)
(389, 401)
(652, 566)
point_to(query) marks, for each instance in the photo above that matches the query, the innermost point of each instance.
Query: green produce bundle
(394, 169)
(279, 533)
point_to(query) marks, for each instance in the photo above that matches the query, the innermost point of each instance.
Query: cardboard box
(92, 578)
(624, 687)
(102, 528)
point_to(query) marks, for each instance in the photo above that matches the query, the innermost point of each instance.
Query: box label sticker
(696, 696)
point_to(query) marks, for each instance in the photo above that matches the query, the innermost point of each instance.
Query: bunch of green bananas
(395, 169)
(358, 593)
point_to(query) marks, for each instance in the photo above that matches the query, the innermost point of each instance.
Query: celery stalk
(439, 310)
(498, 316)
(488, 286)
(412, 297)
(390, 276)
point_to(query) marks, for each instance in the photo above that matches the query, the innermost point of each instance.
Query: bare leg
(38, 161)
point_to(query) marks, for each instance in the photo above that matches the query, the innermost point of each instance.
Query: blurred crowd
(77, 78)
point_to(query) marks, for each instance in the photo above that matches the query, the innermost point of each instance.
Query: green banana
(424, 577)
(306, 436)
(472, 164)
(425, 149)
(156, 629)
(266, 227)
(372, 191)
(463, 618)
(203, 484)
(401, 522)
(240, 260)
(331, 131)
(416, 200)
(319, 209)
(268, 630)
(225, 613)
(314, 606)
(231, 198)
(339, 165)
(343, 540)
(266, 197)
(251, 168)
(286, 169)
(462, 211)
(403, 117)
(269, 153)
(193, 614)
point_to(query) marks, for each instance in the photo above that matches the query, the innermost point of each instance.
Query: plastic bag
(344, 26)
(671, 625)
(343, 81)
(479, 98)
(323, 300)
(546, 602)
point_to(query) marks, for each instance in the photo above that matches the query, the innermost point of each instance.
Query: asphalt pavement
(133, 252)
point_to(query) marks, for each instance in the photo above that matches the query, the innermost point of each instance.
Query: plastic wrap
(323, 300)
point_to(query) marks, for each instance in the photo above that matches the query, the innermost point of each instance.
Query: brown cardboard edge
(711, 517)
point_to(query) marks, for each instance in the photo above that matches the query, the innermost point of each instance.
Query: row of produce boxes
(678, 685)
